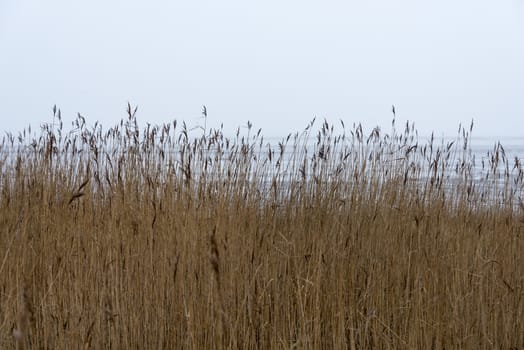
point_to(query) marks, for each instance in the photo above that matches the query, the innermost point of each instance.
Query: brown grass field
(152, 238)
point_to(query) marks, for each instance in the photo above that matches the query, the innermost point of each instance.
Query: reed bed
(166, 238)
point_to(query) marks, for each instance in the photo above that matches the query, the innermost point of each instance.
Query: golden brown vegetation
(151, 239)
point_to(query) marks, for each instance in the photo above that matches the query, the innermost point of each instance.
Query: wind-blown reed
(154, 238)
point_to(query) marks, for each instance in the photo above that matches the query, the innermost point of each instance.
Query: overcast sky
(275, 63)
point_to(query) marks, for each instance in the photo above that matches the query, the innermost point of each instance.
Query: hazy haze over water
(277, 64)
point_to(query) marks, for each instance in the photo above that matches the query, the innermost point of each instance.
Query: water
(480, 155)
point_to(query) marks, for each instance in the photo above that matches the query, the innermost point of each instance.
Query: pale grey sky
(275, 63)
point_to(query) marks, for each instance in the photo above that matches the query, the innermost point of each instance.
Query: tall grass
(168, 238)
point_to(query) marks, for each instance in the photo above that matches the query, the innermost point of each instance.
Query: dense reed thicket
(148, 239)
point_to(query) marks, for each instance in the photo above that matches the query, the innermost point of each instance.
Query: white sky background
(275, 63)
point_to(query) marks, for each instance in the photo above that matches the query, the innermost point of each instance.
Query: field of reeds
(162, 237)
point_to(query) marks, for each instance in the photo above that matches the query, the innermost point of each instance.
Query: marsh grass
(164, 237)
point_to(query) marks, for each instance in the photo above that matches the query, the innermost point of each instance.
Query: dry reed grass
(127, 238)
